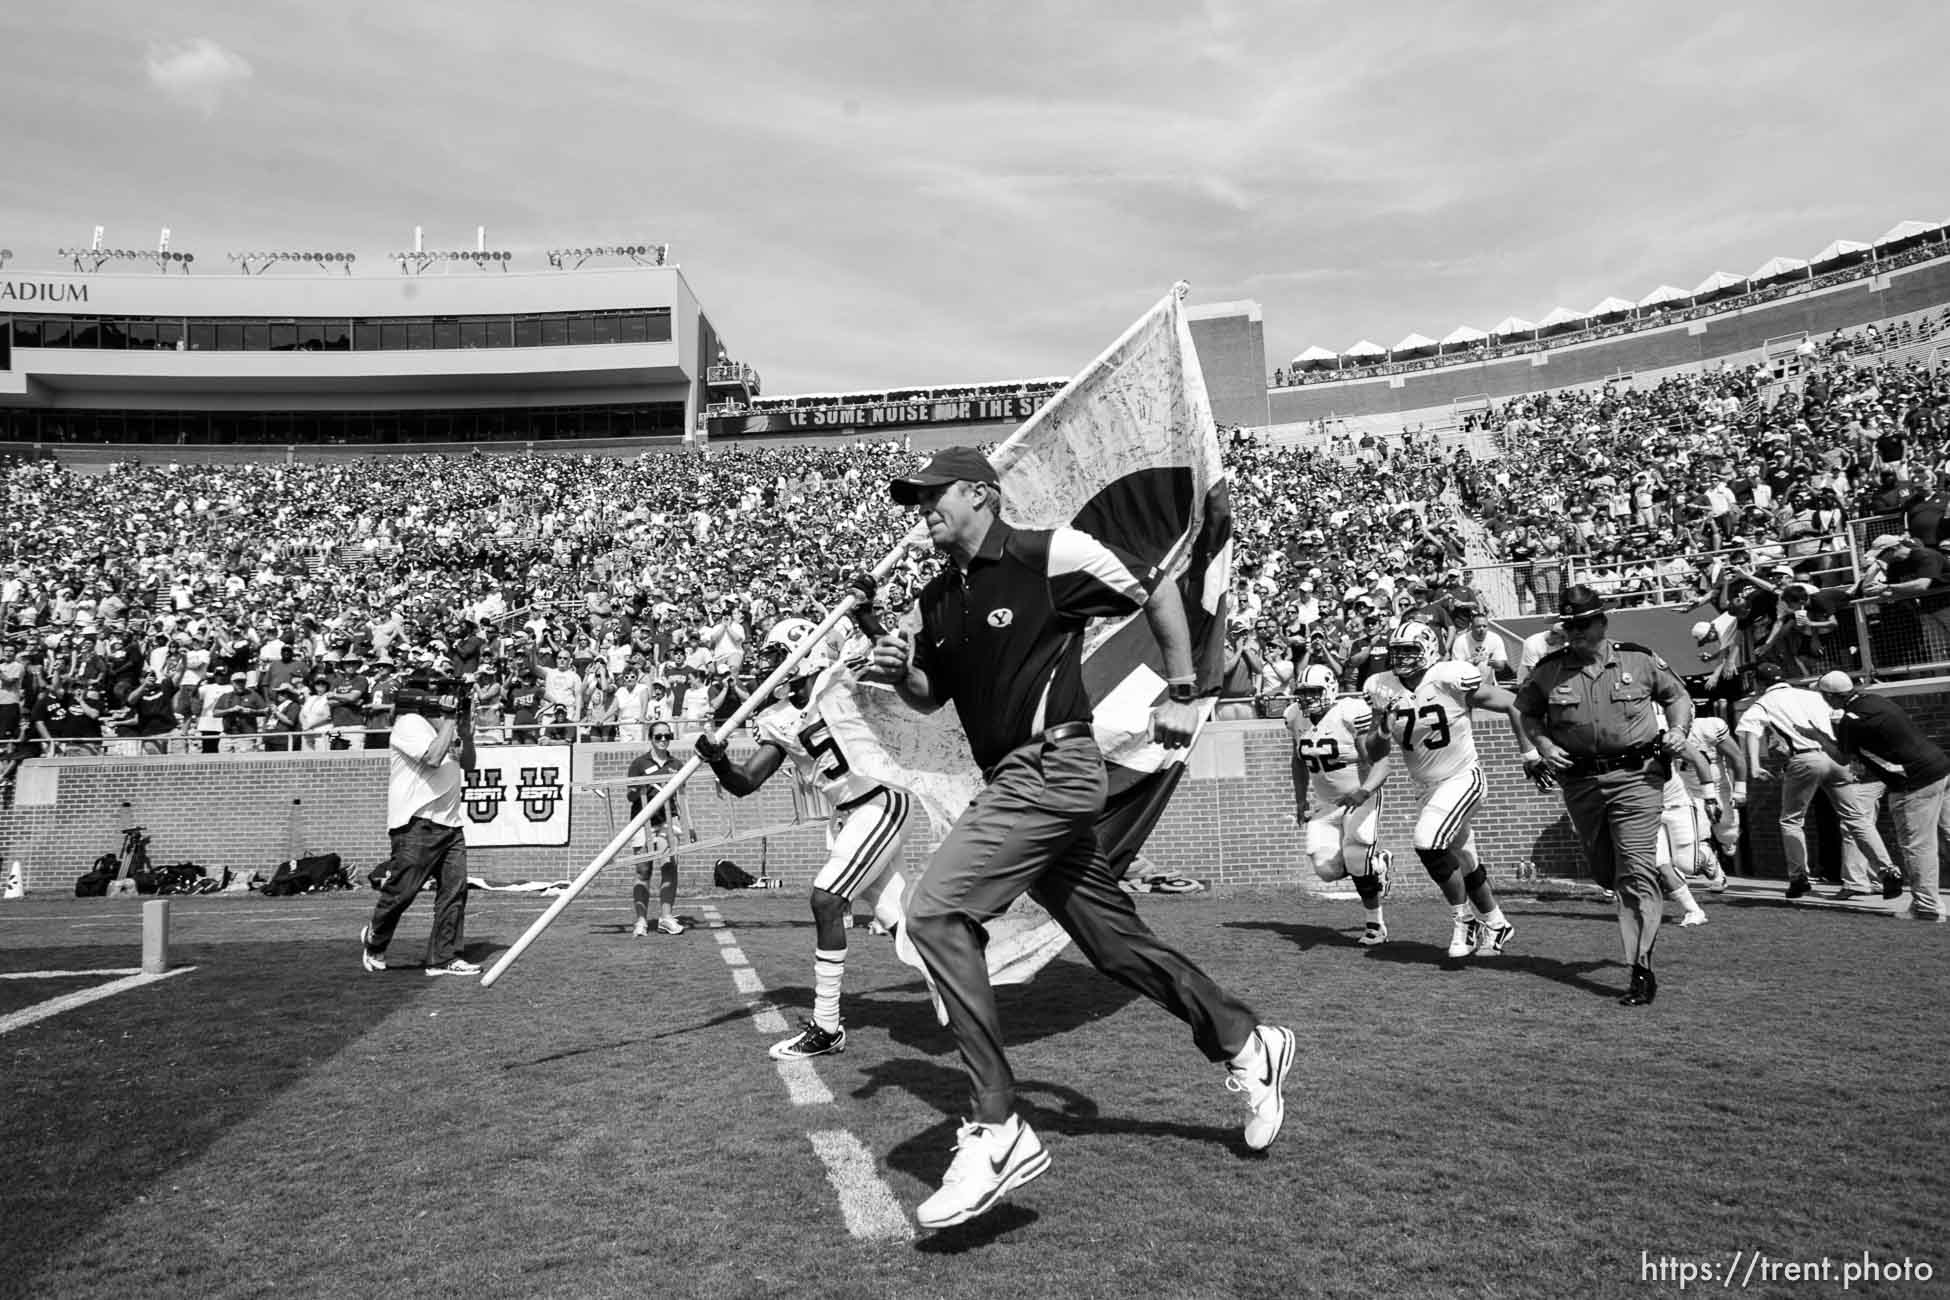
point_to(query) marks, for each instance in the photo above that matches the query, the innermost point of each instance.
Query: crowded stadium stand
(1786, 490)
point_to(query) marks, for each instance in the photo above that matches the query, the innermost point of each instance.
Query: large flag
(1129, 453)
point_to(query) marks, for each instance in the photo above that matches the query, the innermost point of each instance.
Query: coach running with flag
(1000, 634)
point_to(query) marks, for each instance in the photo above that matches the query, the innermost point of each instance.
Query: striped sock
(829, 968)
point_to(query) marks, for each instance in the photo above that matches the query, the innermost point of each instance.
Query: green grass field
(604, 1121)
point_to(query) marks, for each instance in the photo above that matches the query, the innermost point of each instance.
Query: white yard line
(871, 1211)
(65, 974)
(55, 1006)
(867, 1204)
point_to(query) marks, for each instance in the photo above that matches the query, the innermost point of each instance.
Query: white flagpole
(761, 695)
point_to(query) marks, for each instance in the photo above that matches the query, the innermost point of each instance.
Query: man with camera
(432, 748)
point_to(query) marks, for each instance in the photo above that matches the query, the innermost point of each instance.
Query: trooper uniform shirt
(1608, 707)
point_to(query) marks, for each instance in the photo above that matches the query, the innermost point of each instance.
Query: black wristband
(1181, 692)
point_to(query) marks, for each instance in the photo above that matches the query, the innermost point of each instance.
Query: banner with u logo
(518, 795)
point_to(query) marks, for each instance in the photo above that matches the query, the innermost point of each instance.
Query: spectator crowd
(165, 607)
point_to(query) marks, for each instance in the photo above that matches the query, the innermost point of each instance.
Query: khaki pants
(1854, 808)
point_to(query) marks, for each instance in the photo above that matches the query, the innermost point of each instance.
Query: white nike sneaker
(1695, 917)
(1463, 939)
(1262, 1079)
(991, 1160)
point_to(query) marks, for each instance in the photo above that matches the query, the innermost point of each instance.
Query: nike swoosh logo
(996, 1166)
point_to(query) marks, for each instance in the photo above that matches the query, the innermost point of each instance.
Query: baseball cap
(1886, 541)
(949, 465)
(1835, 682)
(1702, 630)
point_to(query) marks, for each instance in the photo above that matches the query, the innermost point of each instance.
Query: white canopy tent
(1313, 358)
(1611, 307)
(1510, 325)
(1413, 343)
(1664, 294)
(1463, 336)
(1902, 230)
(1364, 350)
(1560, 316)
(1715, 282)
(1839, 249)
(1775, 267)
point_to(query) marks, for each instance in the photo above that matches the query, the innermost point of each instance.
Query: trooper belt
(1628, 760)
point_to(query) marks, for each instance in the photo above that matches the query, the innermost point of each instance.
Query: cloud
(197, 72)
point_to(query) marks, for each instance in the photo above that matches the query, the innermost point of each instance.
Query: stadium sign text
(42, 291)
(881, 415)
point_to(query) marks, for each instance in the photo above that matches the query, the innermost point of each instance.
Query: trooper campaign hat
(1579, 602)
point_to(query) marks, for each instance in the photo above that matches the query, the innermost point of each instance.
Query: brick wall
(1229, 823)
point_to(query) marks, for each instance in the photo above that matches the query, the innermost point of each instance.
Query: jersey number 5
(819, 742)
(1434, 736)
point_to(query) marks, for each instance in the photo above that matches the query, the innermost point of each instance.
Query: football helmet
(1414, 648)
(787, 635)
(1315, 686)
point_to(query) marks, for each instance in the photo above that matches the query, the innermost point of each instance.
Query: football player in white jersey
(864, 837)
(1422, 703)
(1679, 832)
(1330, 764)
(1719, 798)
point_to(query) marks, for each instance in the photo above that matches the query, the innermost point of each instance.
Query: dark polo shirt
(1878, 729)
(1005, 640)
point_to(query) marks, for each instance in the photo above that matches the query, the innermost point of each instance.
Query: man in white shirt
(431, 750)
(1800, 723)
(1535, 647)
(1477, 644)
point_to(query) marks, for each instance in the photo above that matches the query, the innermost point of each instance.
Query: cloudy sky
(878, 192)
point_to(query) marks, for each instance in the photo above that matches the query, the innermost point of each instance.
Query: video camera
(427, 694)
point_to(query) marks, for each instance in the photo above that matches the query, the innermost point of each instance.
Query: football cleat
(1463, 939)
(991, 1160)
(669, 925)
(372, 961)
(1262, 1079)
(1491, 938)
(1375, 933)
(810, 1041)
(641, 928)
(1695, 917)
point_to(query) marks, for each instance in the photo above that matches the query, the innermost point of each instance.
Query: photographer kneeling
(432, 748)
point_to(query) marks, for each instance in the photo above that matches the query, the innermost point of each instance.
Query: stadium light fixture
(92, 259)
(417, 261)
(256, 263)
(641, 254)
(6, 256)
